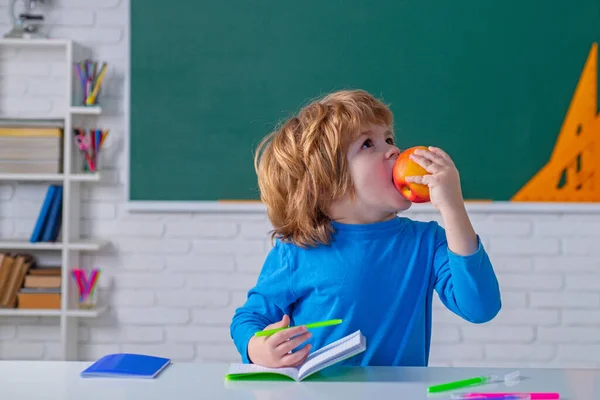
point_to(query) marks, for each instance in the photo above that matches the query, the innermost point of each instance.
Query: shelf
(87, 244)
(89, 110)
(24, 244)
(83, 177)
(32, 177)
(18, 312)
(69, 248)
(29, 312)
(25, 122)
(34, 42)
(85, 313)
(79, 245)
(86, 177)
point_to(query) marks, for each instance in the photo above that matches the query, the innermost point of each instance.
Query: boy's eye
(390, 141)
(367, 143)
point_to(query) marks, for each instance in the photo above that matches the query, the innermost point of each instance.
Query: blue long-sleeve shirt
(379, 278)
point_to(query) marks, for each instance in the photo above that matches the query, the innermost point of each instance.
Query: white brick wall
(178, 277)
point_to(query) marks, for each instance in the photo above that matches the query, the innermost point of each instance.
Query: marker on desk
(321, 324)
(497, 396)
(515, 395)
(478, 380)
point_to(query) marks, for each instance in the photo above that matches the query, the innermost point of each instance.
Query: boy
(342, 252)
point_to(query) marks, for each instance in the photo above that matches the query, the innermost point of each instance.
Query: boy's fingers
(297, 358)
(430, 165)
(300, 362)
(285, 335)
(440, 152)
(423, 180)
(285, 322)
(291, 344)
(432, 156)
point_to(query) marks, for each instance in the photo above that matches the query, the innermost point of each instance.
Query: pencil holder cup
(88, 302)
(90, 75)
(87, 289)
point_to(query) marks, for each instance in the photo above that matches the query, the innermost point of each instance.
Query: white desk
(60, 380)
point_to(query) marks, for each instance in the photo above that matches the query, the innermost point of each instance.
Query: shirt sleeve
(466, 285)
(267, 302)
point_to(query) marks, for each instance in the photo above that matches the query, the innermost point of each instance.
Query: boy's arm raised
(464, 276)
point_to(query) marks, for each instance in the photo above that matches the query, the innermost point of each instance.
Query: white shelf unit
(70, 244)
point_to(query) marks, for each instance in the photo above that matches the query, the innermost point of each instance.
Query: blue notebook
(127, 365)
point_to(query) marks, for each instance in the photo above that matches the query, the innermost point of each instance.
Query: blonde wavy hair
(302, 166)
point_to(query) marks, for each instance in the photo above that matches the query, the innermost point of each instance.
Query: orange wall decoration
(573, 172)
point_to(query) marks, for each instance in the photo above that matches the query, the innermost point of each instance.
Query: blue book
(51, 229)
(127, 365)
(38, 230)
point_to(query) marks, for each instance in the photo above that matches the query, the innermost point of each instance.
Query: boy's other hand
(443, 179)
(275, 351)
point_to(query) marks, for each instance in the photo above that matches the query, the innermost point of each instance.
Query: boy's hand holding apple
(424, 174)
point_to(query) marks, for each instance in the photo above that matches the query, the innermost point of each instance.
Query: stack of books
(25, 284)
(31, 147)
(41, 289)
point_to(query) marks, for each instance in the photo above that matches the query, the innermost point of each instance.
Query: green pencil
(321, 324)
(478, 380)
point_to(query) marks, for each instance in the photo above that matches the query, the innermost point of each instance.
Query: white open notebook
(335, 352)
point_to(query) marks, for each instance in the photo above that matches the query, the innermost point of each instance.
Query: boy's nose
(393, 151)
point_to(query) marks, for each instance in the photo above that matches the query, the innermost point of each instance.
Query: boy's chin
(401, 203)
(404, 206)
(399, 206)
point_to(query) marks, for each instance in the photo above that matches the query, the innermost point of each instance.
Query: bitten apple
(404, 166)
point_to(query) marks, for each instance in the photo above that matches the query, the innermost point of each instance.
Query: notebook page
(331, 345)
(253, 368)
(337, 351)
(306, 372)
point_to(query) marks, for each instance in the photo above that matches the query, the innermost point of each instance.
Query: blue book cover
(127, 365)
(38, 230)
(50, 231)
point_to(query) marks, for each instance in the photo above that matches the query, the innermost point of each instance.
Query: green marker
(321, 324)
(479, 380)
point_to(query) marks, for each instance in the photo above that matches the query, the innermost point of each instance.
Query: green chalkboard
(488, 81)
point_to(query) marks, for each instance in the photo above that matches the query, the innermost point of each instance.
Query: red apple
(404, 166)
